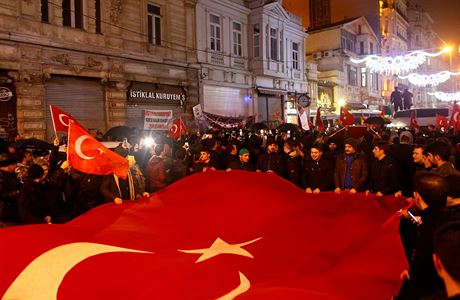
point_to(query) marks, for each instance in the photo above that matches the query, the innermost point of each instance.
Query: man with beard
(351, 170)
(270, 161)
(242, 163)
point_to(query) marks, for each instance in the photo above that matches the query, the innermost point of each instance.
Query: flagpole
(68, 139)
(52, 119)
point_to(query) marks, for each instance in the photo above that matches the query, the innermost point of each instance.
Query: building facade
(339, 80)
(276, 59)
(226, 84)
(104, 61)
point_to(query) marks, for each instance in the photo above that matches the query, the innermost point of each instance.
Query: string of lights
(398, 64)
(447, 97)
(429, 80)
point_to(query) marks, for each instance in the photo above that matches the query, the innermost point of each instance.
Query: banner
(157, 119)
(263, 238)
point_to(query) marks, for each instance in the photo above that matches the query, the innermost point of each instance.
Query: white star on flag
(221, 247)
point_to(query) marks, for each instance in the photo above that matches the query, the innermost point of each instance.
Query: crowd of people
(42, 187)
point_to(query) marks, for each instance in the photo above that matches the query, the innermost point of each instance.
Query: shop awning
(271, 91)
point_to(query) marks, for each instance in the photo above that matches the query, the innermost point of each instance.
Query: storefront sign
(141, 92)
(157, 119)
(7, 105)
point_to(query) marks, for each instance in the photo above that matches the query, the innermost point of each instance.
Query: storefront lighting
(398, 64)
(432, 79)
(448, 97)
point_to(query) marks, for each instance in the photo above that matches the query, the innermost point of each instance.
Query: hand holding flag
(346, 118)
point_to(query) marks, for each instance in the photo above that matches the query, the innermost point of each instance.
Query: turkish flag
(61, 119)
(413, 122)
(346, 118)
(454, 118)
(319, 122)
(441, 122)
(382, 113)
(262, 239)
(88, 155)
(177, 129)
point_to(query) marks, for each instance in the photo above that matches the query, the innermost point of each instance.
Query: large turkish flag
(245, 235)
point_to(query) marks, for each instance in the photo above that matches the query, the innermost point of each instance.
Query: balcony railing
(217, 58)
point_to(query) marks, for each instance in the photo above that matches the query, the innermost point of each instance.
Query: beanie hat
(243, 151)
(352, 142)
(35, 171)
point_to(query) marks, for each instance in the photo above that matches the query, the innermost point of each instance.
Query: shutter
(225, 101)
(80, 97)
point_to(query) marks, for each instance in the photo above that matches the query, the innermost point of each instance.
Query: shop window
(154, 23)
(363, 77)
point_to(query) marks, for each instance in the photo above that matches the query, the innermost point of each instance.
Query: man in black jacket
(384, 172)
(318, 172)
(243, 162)
(421, 280)
(9, 187)
(271, 161)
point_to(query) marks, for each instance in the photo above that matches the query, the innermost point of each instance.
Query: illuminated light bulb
(448, 97)
(431, 79)
(397, 64)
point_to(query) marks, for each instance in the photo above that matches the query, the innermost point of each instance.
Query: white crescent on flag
(41, 279)
(61, 116)
(78, 144)
(173, 128)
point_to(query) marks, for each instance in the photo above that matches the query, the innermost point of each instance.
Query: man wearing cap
(270, 161)
(242, 163)
(9, 187)
(351, 170)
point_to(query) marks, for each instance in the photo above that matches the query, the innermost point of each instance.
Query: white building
(222, 43)
(276, 58)
(339, 80)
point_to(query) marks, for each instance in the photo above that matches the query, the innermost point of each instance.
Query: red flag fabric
(88, 155)
(262, 239)
(441, 122)
(319, 122)
(382, 113)
(454, 118)
(413, 122)
(177, 129)
(61, 119)
(346, 118)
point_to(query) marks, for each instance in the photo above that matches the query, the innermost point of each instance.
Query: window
(371, 47)
(215, 33)
(45, 11)
(237, 39)
(72, 13)
(98, 16)
(361, 47)
(256, 35)
(363, 77)
(273, 44)
(352, 75)
(154, 23)
(295, 56)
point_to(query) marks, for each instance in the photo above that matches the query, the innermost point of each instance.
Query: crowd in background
(42, 187)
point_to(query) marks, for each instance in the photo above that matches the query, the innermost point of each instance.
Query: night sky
(445, 14)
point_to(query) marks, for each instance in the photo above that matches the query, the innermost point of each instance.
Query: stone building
(103, 61)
